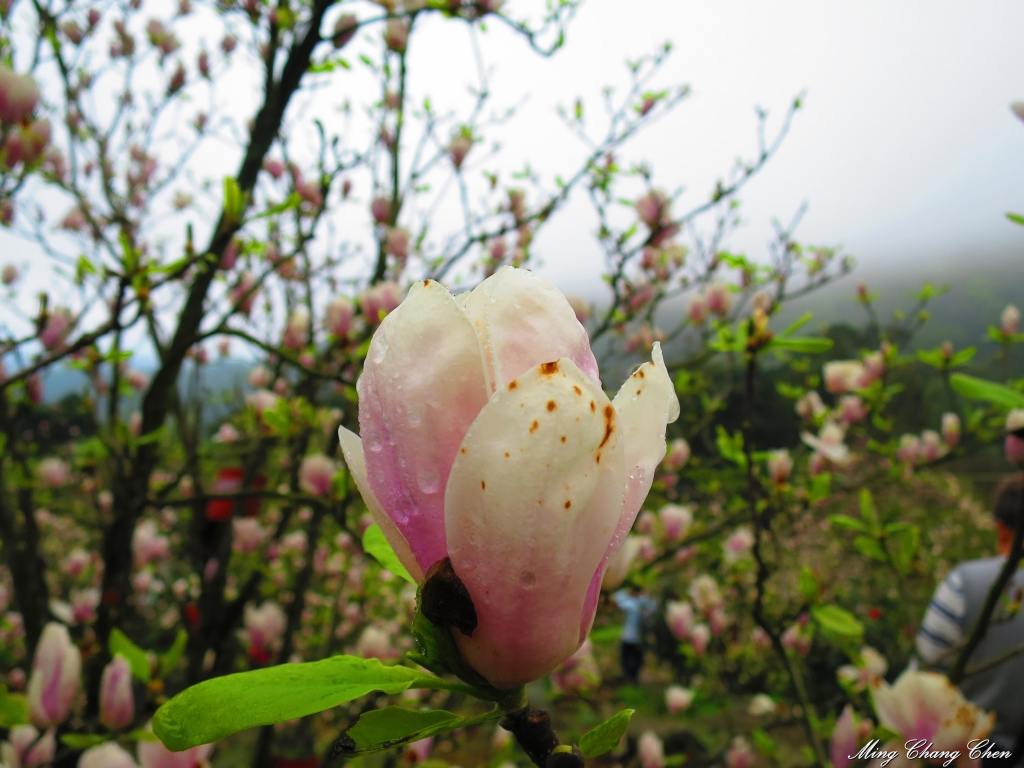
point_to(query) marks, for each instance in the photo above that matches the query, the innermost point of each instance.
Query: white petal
(532, 502)
(523, 320)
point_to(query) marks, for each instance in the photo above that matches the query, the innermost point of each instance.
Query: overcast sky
(906, 150)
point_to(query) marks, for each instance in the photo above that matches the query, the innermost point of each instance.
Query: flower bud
(117, 702)
(844, 739)
(19, 95)
(316, 475)
(55, 677)
(852, 409)
(396, 34)
(344, 30)
(719, 298)
(24, 747)
(296, 332)
(53, 472)
(654, 209)
(1015, 437)
(380, 300)
(9, 274)
(338, 317)
(459, 147)
(677, 456)
(1010, 320)
(620, 563)
(396, 242)
(679, 617)
(700, 636)
(762, 704)
(264, 629)
(652, 753)
(909, 450)
(148, 545)
(678, 699)
(950, 429)
(248, 535)
(675, 521)
(739, 754)
(780, 465)
(810, 406)
(260, 377)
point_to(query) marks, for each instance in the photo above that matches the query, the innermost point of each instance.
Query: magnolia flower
(338, 317)
(9, 274)
(1009, 322)
(380, 300)
(248, 534)
(396, 34)
(262, 400)
(296, 332)
(25, 749)
(54, 682)
(739, 754)
(679, 617)
(153, 754)
(652, 753)
(226, 434)
(829, 443)
(780, 466)
(810, 406)
(264, 627)
(106, 755)
(654, 209)
(148, 545)
(344, 29)
(1015, 436)
(243, 294)
(620, 563)
(852, 409)
(83, 605)
(75, 562)
(675, 520)
(678, 699)
(700, 636)
(762, 704)
(950, 429)
(909, 450)
(53, 472)
(698, 310)
(932, 447)
(844, 739)
(380, 209)
(579, 674)
(738, 544)
(870, 668)
(260, 377)
(926, 705)
(117, 702)
(396, 242)
(316, 475)
(704, 592)
(19, 95)
(845, 376)
(488, 442)
(797, 639)
(374, 643)
(719, 298)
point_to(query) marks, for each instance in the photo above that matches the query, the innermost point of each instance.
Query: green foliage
(377, 546)
(389, 727)
(838, 623)
(978, 389)
(81, 741)
(606, 736)
(137, 658)
(217, 708)
(13, 708)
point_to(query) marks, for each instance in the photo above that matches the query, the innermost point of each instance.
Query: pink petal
(524, 320)
(531, 505)
(352, 450)
(421, 388)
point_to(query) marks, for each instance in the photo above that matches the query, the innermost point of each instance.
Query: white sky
(906, 149)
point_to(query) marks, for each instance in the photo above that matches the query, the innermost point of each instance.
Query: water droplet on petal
(380, 348)
(428, 480)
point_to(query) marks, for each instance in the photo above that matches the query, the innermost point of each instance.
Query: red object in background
(192, 615)
(229, 480)
(874, 613)
(295, 762)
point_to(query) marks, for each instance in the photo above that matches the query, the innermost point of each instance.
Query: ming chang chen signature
(921, 749)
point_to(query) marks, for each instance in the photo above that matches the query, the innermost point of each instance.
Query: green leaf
(867, 509)
(763, 743)
(821, 486)
(731, 447)
(1016, 218)
(606, 736)
(138, 659)
(845, 521)
(218, 708)
(800, 323)
(83, 740)
(963, 356)
(141, 734)
(804, 345)
(233, 202)
(869, 547)
(169, 660)
(393, 726)
(905, 541)
(376, 545)
(979, 389)
(809, 586)
(609, 634)
(838, 622)
(13, 708)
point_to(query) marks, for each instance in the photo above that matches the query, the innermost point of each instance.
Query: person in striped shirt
(954, 610)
